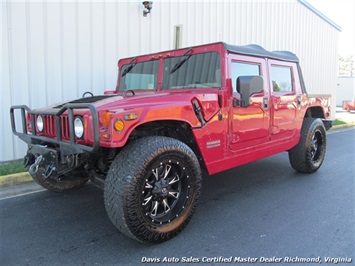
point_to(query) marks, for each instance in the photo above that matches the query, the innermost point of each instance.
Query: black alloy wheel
(165, 191)
(308, 155)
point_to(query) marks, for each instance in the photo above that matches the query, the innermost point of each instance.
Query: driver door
(249, 125)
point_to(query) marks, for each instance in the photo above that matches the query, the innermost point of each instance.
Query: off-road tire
(58, 186)
(144, 175)
(308, 155)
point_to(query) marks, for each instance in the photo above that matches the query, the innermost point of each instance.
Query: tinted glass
(243, 69)
(142, 76)
(281, 79)
(198, 71)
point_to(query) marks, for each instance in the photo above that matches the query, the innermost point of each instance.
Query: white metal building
(55, 51)
(345, 90)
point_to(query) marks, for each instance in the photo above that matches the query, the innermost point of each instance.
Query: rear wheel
(152, 188)
(308, 155)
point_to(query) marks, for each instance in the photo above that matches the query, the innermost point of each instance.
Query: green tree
(347, 66)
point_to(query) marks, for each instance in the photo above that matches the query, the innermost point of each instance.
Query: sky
(342, 12)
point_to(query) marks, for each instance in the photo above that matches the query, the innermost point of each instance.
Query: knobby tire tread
(298, 156)
(122, 187)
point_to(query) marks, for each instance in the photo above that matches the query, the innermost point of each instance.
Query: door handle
(266, 103)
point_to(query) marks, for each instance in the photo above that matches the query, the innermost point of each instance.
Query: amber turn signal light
(105, 118)
(118, 125)
(130, 116)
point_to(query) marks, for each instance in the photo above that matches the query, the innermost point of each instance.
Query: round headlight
(40, 123)
(78, 127)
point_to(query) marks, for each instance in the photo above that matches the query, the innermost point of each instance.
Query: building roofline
(320, 14)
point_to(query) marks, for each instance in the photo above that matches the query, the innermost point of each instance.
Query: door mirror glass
(247, 86)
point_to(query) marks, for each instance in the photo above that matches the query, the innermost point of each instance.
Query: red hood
(152, 101)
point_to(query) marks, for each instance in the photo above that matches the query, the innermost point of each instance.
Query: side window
(281, 79)
(243, 69)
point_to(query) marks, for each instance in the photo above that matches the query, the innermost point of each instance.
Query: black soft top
(256, 50)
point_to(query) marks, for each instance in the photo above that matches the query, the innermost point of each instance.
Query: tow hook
(48, 171)
(41, 161)
(34, 167)
(29, 160)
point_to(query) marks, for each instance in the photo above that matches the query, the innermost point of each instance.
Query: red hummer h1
(349, 105)
(214, 107)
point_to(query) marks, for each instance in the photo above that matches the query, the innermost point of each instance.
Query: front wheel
(308, 155)
(58, 186)
(152, 188)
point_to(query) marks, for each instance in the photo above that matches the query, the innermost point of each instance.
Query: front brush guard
(65, 147)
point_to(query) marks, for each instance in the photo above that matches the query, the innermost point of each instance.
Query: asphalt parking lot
(263, 210)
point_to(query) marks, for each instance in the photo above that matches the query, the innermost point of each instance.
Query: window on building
(281, 79)
(243, 69)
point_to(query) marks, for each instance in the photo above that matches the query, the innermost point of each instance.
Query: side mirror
(247, 86)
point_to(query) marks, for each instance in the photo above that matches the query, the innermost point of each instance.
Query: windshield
(192, 71)
(139, 76)
(187, 71)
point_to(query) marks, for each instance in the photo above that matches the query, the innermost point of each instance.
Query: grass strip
(12, 168)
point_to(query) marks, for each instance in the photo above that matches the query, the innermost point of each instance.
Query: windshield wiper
(181, 61)
(129, 68)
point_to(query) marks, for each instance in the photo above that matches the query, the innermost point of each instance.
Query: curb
(15, 179)
(341, 126)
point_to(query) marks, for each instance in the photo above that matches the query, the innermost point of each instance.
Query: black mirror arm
(236, 102)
